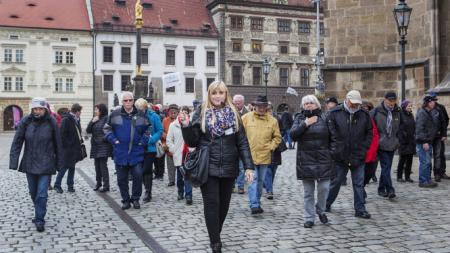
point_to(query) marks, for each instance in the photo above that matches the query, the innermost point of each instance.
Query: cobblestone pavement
(418, 220)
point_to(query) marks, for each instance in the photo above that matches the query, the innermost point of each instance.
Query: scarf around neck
(220, 120)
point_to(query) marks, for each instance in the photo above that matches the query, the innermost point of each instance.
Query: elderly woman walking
(314, 162)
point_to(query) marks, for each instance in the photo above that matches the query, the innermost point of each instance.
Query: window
(7, 83)
(58, 84)
(19, 83)
(257, 24)
(69, 57)
(69, 84)
(19, 55)
(256, 75)
(256, 47)
(126, 55)
(107, 54)
(189, 82)
(304, 48)
(108, 83)
(236, 75)
(304, 76)
(322, 28)
(210, 59)
(7, 57)
(171, 89)
(170, 57)
(58, 57)
(144, 55)
(209, 81)
(237, 46)
(236, 22)
(284, 76)
(124, 81)
(304, 27)
(189, 58)
(284, 26)
(284, 48)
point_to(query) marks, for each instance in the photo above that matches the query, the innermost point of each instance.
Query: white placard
(171, 80)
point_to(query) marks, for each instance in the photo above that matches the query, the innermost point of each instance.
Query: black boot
(147, 197)
(216, 247)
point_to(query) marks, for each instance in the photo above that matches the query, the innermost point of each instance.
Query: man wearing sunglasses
(127, 129)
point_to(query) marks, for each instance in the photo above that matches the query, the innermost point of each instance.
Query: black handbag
(195, 168)
(83, 147)
(281, 147)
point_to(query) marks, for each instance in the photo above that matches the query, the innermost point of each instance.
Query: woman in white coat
(175, 142)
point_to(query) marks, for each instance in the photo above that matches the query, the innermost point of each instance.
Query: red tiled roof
(49, 14)
(190, 16)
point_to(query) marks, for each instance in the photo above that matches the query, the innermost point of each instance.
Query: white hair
(310, 99)
(238, 97)
(126, 94)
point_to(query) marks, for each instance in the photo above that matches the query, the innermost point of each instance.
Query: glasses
(127, 100)
(308, 103)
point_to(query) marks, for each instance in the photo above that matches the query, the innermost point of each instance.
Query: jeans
(385, 182)
(323, 187)
(287, 138)
(357, 182)
(424, 163)
(240, 180)
(101, 172)
(70, 177)
(270, 177)
(216, 193)
(255, 189)
(184, 187)
(404, 164)
(171, 169)
(38, 186)
(122, 181)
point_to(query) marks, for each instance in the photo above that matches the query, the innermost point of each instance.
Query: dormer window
(64, 39)
(49, 18)
(120, 2)
(115, 18)
(174, 21)
(147, 5)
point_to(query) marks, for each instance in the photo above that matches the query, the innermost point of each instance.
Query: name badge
(229, 131)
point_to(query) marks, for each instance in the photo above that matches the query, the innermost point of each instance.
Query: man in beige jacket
(264, 137)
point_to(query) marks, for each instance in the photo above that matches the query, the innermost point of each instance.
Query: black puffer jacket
(426, 127)
(224, 151)
(100, 147)
(71, 144)
(43, 152)
(350, 136)
(406, 134)
(313, 150)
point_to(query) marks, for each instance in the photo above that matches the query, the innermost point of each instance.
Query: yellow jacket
(263, 135)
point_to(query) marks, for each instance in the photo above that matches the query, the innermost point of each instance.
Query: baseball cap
(354, 96)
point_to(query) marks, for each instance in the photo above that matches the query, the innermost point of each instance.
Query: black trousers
(404, 165)
(159, 166)
(101, 171)
(216, 193)
(369, 171)
(438, 157)
(149, 159)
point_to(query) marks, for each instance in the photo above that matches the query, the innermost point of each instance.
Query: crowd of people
(244, 144)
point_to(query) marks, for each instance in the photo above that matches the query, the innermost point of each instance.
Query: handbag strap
(79, 135)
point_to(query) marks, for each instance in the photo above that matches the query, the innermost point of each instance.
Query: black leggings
(149, 159)
(404, 164)
(101, 171)
(216, 194)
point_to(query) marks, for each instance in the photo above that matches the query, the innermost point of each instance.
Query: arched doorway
(11, 117)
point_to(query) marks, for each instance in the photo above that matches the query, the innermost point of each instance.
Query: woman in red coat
(371, 156)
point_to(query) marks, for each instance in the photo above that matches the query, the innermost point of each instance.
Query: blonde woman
(217, 123)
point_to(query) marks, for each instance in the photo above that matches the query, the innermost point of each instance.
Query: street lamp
(320, 85)
(402, 14)
(266, 71)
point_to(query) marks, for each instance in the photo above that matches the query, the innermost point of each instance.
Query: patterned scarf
(224, 119)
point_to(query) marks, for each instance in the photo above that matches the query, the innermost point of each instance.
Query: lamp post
(402, 14)
(266, 71)
(320, 85)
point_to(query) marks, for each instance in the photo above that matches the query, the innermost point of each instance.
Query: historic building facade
(177, 37)
(48, 56)
(363, 52)
(284, 32)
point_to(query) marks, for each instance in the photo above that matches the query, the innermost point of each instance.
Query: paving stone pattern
(418, 220)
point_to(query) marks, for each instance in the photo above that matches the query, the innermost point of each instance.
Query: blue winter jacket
(156, 130)
(118, 128)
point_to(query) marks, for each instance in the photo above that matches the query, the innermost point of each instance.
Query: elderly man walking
(263, 135)
(239, 102)
(127, 129)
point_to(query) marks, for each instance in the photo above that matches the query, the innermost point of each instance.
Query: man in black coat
(286, 125)
(71, 145)
(37, 130)
(351, 135)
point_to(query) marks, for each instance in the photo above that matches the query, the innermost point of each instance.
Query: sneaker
(71, 190)
(40, 227)
(241, 190)
(136, 204)
(58, 189)
(323, 218)
(257, 210)
(269, 195)
(126, 205)
(363, 215)
(188, 201)
(308, 224)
